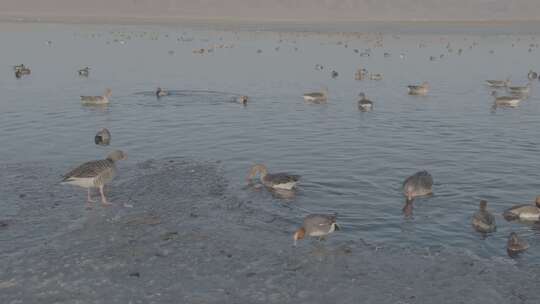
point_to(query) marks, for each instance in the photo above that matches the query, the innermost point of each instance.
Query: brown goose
(283, 181)
(316, 225)
(95, 174)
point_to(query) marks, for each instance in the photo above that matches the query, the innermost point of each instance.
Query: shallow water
(351, 162)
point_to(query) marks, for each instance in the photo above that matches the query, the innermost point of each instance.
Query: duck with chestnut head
(316, 225)
(281, 180)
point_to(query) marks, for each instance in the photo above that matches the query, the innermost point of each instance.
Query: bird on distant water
(103, 137)
(97, 100)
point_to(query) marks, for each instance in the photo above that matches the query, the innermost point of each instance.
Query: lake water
(351, 162)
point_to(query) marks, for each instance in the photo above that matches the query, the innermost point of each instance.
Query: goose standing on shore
(283, 181)
(421, 89)
(103, 137)
(483, 221)
(418, 184)
(364, 104)
(316, 97)
(97, 100)
(316, 225)
(95, 174)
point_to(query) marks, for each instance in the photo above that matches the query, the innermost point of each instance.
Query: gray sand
(187, 239)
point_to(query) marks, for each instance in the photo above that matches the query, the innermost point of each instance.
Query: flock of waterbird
(96, 174)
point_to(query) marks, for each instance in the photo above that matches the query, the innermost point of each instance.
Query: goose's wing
(89, 169)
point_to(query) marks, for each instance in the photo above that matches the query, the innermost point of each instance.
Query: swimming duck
(242, 100)
(282, 180)
(97, 100)
(483, 221)
(21, 70)
(95, 174)
(364, 104)
(103, 137)
(161, 93)
(505, 101)
(316, 225)
(418, 184)
(421, 89)
(317, 97)
(335, 74)
(498, 83)
(515, 245)
(532, 75)
(84, 72)
(524, 212)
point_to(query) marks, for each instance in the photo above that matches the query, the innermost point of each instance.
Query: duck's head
(537, 201)
(117, 155)
(483, 205)
(299, 234)
(256, 169)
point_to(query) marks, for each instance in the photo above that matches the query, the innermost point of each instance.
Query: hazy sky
(284, 9)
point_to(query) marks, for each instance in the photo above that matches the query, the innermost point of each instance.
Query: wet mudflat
(187, 239)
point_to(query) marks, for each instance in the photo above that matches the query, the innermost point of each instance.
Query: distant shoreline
(227, 23)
